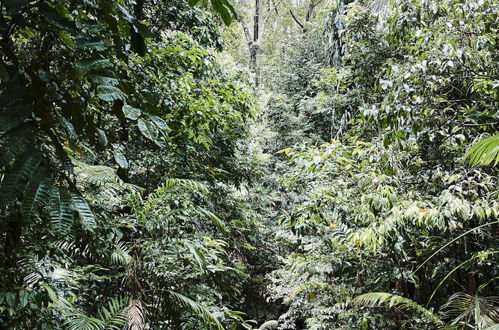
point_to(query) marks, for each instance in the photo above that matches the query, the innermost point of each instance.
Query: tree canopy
(310, 164)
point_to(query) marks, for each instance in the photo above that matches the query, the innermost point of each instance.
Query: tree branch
(297, 21)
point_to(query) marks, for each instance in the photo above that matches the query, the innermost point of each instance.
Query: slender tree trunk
(254, 46)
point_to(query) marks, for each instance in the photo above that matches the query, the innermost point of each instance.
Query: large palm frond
(482, 311)
(197, 309)
(112, 316)
(484, 151)
(375, 299)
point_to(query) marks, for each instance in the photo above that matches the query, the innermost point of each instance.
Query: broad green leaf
(110, 93)
(119, 156)
(131, 112)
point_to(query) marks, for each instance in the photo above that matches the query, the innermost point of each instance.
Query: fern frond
(185, 183)
(375, 299)
(484, 152)
(196, 309)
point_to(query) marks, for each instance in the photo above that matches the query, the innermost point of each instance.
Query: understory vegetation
(308, 164)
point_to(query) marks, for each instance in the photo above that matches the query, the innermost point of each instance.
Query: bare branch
(297, 21)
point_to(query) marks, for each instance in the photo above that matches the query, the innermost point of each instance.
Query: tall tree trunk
(254, 47)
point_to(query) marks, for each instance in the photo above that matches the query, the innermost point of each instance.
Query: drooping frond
(484, 152)
(114, 315)
(375, 299)
(196, 309)
(60, 210)
(80, 205)
(21, 171)
(186, 183)
(121, 254)
(135, 315)
(484, 311)
(217, 222)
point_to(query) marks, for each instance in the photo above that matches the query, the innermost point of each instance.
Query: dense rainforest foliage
(305, 164)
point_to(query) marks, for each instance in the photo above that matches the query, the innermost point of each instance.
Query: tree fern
(374, 299)
(196, 309)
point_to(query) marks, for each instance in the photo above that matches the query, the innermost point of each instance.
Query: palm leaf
(484, 152)
(135, 315)
(483, 310)
(37, 192)
(186, 183)
(374, 299)
(196, 309)
(114, 315)
(217, 222)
